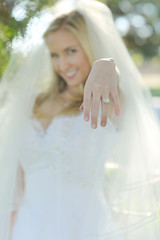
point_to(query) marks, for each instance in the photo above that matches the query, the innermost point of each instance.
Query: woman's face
(68, 57)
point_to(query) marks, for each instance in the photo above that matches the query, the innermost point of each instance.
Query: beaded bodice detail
(69, 146)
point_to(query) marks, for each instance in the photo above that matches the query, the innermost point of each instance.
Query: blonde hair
(75, 23)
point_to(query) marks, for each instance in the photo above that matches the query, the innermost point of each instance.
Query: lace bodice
(68, 146)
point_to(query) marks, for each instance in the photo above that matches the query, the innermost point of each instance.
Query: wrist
(104, 61)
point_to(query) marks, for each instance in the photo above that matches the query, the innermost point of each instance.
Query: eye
(54, 55)
(71, 51)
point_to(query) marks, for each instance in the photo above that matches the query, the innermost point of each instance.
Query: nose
(63, 63)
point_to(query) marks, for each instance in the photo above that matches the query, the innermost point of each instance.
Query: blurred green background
(138, 22)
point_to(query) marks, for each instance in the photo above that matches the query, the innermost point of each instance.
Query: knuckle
(88, 87)
(104, 117)
(94, 114)
(114, 94)
(116, 98)
(105, 93)
(113, 86)
(86, 110)
(86, 98)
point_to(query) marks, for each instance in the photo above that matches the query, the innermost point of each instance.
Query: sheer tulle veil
(132, 179)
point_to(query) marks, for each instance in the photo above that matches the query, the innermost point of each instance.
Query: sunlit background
(138, 22)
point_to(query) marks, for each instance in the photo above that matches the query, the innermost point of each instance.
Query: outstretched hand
(101, 83)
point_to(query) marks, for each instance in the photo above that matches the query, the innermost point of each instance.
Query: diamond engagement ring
(106, 100)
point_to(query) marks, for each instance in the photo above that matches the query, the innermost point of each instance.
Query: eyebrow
(65, 49)
(72, 46)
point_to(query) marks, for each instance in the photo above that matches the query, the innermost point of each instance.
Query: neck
(74, 91)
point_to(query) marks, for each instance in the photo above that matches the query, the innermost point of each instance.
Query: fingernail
(86, 118)
(94, 125)
(103, 124)
(118, 111)
(81, 108)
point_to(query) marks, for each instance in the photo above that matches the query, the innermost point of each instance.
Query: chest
(69, 144)
(49, 110)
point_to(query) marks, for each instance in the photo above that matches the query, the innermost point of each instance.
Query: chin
(74, 85)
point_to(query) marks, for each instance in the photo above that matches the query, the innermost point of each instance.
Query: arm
(15, 210)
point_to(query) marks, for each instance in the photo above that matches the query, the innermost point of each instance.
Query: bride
(60, 177)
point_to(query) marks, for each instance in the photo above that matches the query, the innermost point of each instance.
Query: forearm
(13, 217)
(18, 199)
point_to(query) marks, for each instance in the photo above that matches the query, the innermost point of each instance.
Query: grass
(155, 91)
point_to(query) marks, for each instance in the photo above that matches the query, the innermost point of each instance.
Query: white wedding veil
(132, 179)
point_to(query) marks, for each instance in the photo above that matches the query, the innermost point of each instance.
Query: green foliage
(155, 92)
(11, 27)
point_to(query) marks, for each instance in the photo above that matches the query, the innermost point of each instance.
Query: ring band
(106, 100)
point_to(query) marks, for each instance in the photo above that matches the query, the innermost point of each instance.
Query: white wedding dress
(64, 172)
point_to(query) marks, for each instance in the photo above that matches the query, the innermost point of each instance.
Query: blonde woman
(65, 177)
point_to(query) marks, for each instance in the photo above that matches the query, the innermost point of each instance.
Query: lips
(71, 74)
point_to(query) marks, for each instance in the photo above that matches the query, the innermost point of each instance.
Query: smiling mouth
(71, 75)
